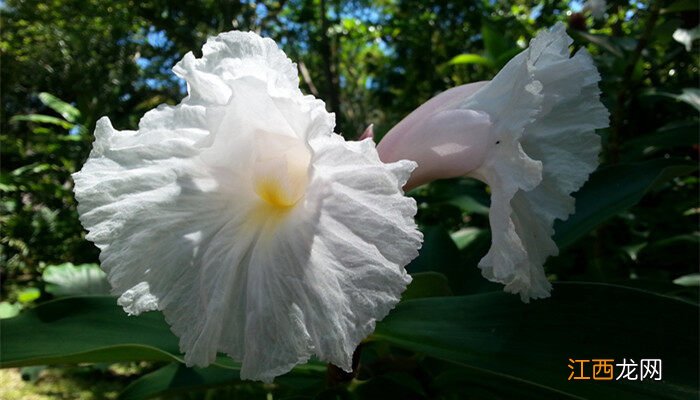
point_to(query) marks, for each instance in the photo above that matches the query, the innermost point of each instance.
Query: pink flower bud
(445, 140)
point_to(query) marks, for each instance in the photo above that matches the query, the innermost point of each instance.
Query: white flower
(256, 230)
(529, 134)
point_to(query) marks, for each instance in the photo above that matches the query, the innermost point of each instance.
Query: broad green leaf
(688, 280)
(176, 378)
(91, 329)
(613, 189)
(674, 135)
(42, 119)
(469, 195)
(426, 284)
(663, 288)
(94, 329)
(469, 204)
(84, 329)
(690, 96)
(671, 252)
(474, 249)
(71, 280)
(389, 386)
(440, 254)
(482, 385)
(504, 340)
(469, 59)
(496, 43)
(67, 111)
(681, 5)
(493, 334)
(507, 55)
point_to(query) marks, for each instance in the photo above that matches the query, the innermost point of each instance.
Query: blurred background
(66, 63)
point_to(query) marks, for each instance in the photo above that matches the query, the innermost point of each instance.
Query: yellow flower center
(274, 194)
(281, 168)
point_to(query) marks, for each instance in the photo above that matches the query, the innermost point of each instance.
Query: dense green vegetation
(634, 239)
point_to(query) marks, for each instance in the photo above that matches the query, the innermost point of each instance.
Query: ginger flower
(529, 134)
(255, 229)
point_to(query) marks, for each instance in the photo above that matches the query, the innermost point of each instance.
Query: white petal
(334, 268)
(231, 55)
(366, 235)
(252, 109)
(546, 149)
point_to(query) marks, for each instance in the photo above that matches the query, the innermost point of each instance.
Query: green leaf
(482, 385)
(688, 280)
(493, 334)
(680, 6)
(673, 135)
(93, 329)
(670, 252)
(469, 59)
(689, 96)
(28, 295)
(84, 329)
(177, 378)
(603, 41)
(70, 280)
(469, 195)
(613, 189)
(507, 55)
(473, 245)
(34, 168)
(395, 385)
(503, 340)
(440, 254)
(663, 288)
(466, 236)
(469, 204)
(496, 43)
(42, 119)
(427, 284)
(6, 183)
(67, 111)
